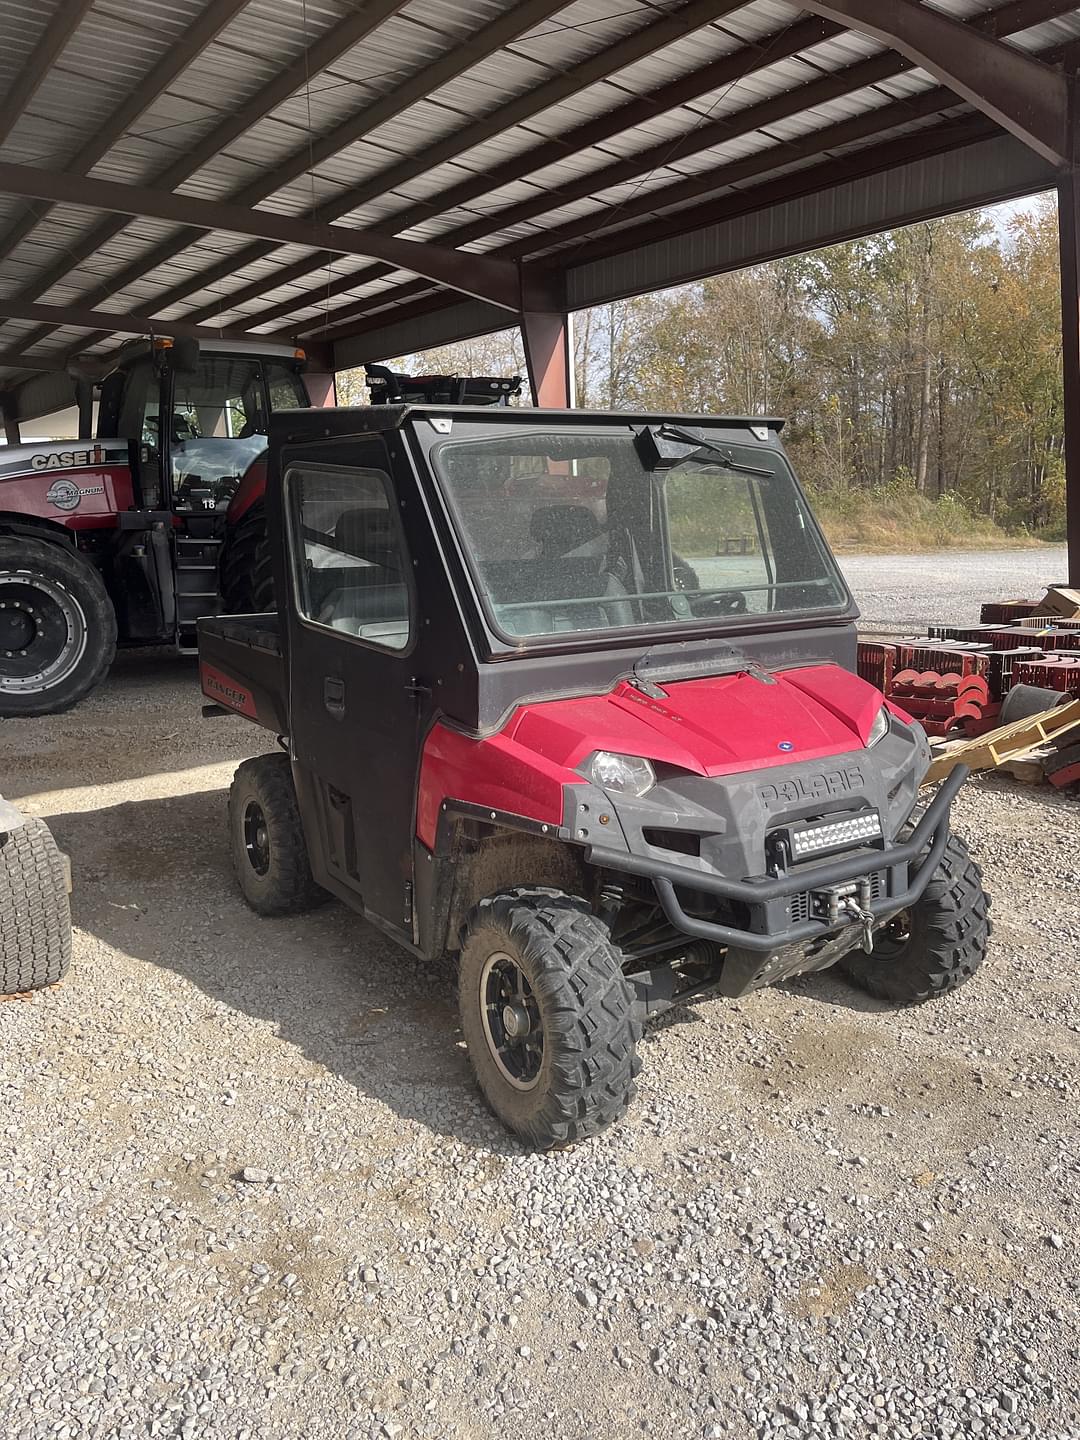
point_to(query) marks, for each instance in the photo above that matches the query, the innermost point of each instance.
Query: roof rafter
(172, 64)
(63, 24)
(117, 323)
(1024, 96)
(496, 281)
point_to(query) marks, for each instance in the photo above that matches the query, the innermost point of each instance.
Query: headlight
(880, 728)
(625, 774)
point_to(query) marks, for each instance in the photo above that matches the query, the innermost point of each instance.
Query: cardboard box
(1061, 601)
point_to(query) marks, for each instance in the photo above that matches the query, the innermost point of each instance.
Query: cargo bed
(241, 667)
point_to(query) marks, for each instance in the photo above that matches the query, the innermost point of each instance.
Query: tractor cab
(572, 696)
(196, 415)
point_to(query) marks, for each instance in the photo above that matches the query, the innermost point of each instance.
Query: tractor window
(285, 386)
(349, 555)
(220, 423)
(570, 532)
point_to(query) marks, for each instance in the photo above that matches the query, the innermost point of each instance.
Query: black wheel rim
(43, 633)
(893, 938)
(256, 838)
(513, 1026)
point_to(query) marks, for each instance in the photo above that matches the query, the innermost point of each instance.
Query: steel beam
(65, 20)
(16, 360)
(120, 323)
(496, 281)
(1024, 96)
(1069, 239)
(172, 64)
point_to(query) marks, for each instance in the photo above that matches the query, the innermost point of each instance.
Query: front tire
(548, 1016)
(934, 947)
(35, 916)
(57, 627)
(267, 839)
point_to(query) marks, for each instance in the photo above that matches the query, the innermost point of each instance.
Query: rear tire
(35, 916)
(247, 578)
(943, 941)
(57, 627)
(548, 1016)
(266, 837)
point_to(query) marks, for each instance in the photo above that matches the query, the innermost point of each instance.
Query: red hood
(710, 727)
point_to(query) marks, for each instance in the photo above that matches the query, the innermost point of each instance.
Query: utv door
(354, 698)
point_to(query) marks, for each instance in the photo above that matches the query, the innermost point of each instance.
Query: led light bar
(820, 837)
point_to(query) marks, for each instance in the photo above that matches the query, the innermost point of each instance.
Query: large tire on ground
(266, 837)
(35, 918)
(57, 627)
(936, 945)
(548, 1016)
(246, 578)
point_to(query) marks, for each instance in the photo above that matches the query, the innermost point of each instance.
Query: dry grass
(895, 520)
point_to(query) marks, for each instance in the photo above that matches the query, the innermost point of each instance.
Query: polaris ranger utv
(115, 538)
(572, 696)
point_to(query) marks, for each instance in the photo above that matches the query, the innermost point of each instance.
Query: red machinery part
(1063, 768)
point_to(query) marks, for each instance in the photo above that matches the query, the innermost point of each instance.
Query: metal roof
(620, 144)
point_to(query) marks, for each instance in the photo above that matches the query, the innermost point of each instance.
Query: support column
(1069, 233)
(549, 354)
(321, 388)
(11, 421)
(84, 401)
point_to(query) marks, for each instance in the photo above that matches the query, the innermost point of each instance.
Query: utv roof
(392, 417)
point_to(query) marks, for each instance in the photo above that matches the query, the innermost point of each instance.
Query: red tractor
(115, 538)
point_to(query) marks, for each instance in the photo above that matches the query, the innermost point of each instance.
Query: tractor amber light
(299, 354)
(162, 342)
(824, 836)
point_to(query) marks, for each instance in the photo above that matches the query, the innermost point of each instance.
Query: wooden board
(1008, 742)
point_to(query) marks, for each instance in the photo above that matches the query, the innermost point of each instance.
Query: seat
(367, 596)
(572, 548)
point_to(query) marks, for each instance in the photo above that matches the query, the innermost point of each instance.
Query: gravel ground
(248, 1191)
(906, 593)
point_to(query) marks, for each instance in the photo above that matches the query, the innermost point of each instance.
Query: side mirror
(184, 354)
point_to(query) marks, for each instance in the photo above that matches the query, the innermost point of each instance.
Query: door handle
(333, 690)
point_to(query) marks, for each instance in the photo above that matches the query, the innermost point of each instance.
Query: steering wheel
(724, 602)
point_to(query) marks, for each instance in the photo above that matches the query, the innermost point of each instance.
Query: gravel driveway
(905, 593)
(247, 1189)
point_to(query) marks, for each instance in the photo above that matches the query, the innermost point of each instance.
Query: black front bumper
(908, 868)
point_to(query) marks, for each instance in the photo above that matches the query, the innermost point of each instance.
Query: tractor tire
(57, 627)
(935, 946)
(246, 578)
(266, 837)
(548, 1016)
(35, 917)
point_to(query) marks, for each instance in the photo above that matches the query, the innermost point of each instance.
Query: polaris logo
(797, 788)
(69, 459)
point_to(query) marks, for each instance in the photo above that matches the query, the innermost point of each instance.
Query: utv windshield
(573, 532)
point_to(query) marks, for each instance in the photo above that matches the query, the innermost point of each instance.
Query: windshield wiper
(662, 447)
